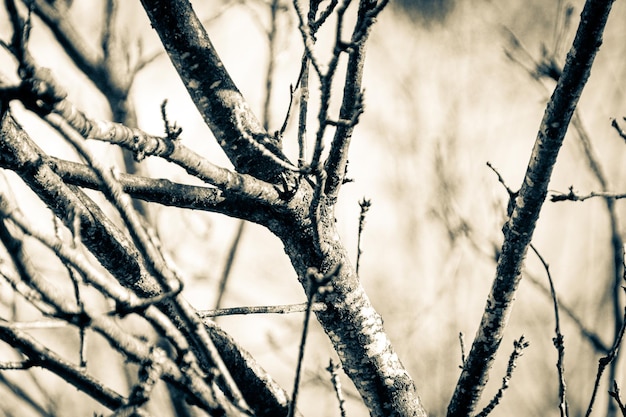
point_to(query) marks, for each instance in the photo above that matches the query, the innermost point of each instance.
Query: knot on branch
(40, 91)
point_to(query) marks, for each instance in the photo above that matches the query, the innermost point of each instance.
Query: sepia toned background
(448, 88)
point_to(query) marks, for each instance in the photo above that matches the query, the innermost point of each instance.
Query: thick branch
(214, 93)
(519, 228)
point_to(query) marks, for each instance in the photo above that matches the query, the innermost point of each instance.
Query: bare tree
(296, 201)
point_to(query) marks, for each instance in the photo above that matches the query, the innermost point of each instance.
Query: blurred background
(449, 86)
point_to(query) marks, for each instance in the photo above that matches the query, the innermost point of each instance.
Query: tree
(295, 201)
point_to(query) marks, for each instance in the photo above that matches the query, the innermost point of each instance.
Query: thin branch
(308, 38)
(317, 282)
(302, 115)
(603, 362)
(281, 309)
(518, 350)
(365, 206)
(558, 339)
(16, 366)
(352, 102)
(228, 264)
(571, 195)
(592, 337)
(462, 345)
(616, 395)
(157, 190)
(333, 368)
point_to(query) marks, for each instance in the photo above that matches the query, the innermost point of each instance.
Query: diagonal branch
(39, 355)
(224, 109)
(519, 228)
(88, 60)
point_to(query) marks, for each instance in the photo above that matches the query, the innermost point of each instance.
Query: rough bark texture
(519, 228)
(352, 324)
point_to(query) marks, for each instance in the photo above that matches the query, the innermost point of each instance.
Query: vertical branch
(315, 281)
(558, 339)
(519, 228)
(302, 115)
(230, 261)
(365, 206)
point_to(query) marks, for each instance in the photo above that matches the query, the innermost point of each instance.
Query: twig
(333, 368)
(316, 282)
(462, 345)
(619, 130)
(308, 38)
(571, 195)
(604, 361)
(558, 339)
(615, 394)
(228, 264)
(592, 337)
(302, 115)
(365, 205)
(282, 309)
(519, 346)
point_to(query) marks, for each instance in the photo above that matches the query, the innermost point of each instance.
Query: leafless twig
(365, 205)
(333, 369)
(518, 350)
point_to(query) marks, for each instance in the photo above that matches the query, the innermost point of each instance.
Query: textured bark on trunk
(351, 322)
